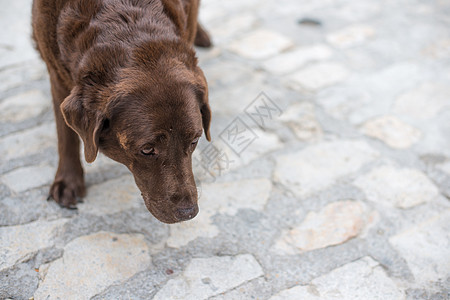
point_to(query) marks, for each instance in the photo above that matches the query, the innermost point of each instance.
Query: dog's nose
(186, 213)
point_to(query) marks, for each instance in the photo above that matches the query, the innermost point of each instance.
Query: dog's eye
(195, 141)
(148, 151)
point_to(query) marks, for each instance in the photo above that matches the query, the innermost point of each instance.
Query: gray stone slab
(91, 264)
(206, 277)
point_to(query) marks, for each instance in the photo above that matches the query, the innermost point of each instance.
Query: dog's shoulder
(45, 17)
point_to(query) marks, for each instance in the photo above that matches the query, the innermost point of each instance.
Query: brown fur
(124, 78)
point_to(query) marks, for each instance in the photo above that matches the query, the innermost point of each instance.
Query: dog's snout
(186, 213)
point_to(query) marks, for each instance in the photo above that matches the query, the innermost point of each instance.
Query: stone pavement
(332, 184)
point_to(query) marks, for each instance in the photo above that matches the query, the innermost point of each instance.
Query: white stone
(92, 263)
(318, 76)
(426, 249)
(26, 178)
(10, 78)
(295, 59)
(235, 195)
(379, 83)
(360, 60)
(247, 85)
(362, 279)
(232, 26)
(213, 12)
(445, 167)
(16, 36)
(264, 143)
(260, 44)
(392, 131)
(23, 106)
(207, 277)
(30, 141)
(439, 49)
(403, 188)
(335, 224)
(224, 73)
(343, 101)
(19, 243)
(206, 54)
(435, 139)
(350, 36)
(201, 226)
(111, 197)
(360, 11)
(242, 194)
(15, 75)
(303, 292)
(319, 166)
(378, 91)
(423, 102)
(276, 11)
(369, 96)
(301, 118)
(424, 9)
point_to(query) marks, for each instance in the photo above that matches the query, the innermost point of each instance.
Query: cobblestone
(27, 142)
(426, 248)
(111, 197)
(423, 102)
(351, 36)
(302, 120)
(334, 224)
(250, 194)
(23, 106)
(402, 188)
(293, 60)
(328, 161)
(92, 263)
(26, 178)
(260, 44)
(319, 76)
(341, 191)
(201, 281)
(392, 131)
(19, 242)
(363, 279)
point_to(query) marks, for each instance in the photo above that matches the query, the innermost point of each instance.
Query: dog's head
(147, 115)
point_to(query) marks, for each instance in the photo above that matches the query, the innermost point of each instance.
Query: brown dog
(124, 77)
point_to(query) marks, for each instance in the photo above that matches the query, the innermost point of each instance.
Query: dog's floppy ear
(85, 122)
(202, 92)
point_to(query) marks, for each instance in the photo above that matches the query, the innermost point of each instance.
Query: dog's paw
(202, 38)
(67, 191)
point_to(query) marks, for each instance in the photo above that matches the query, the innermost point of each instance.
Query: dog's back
(58, 26)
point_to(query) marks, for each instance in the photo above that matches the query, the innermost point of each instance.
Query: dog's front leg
(69, 181)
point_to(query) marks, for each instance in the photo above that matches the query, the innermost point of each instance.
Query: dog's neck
(90, 51)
